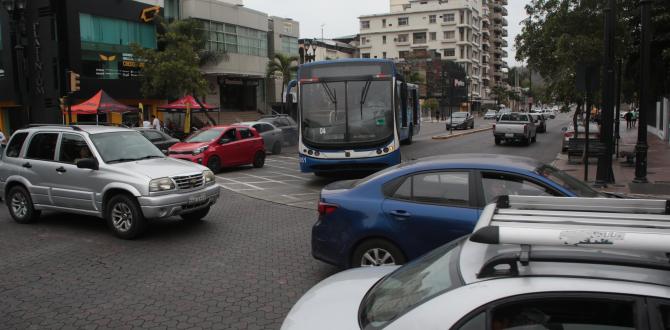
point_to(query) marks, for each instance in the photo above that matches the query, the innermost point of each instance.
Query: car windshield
(347, 112)
(567, 181)
(411, 285)
(460, 114)
(204, 136)
(124, 146)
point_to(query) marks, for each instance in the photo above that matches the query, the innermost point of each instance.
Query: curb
(447, 136)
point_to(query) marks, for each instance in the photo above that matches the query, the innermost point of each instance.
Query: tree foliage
(282, 66)
(173, 69)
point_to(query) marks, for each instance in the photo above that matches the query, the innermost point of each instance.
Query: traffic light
(73, 81)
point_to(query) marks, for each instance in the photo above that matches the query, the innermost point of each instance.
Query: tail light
(569, 134)
(525, 129)
(494, 127)
(326, 208)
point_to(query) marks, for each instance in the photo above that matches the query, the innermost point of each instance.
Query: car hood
(186, 146)
(456, 120)
(333, 303)
(160, 167)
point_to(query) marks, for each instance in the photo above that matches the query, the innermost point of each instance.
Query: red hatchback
(222, 146)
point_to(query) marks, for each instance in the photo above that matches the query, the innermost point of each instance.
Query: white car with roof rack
(531, 263)
(109, 172)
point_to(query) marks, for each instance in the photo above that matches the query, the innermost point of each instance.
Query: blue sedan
(400, 213)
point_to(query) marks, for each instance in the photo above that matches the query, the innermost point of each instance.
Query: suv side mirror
(88, 163)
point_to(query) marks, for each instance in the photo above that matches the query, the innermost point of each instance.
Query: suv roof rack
(74, 127)
(599, 223)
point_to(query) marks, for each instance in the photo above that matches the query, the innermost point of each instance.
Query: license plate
(197, 199)
(509, 135)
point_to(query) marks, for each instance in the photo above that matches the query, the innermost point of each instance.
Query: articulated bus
(354, 115)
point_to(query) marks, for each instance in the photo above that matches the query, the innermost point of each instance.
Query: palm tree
(284, 66)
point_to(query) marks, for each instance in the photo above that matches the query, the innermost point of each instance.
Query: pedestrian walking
(438, 115)
(155, 123)
(634, 118)
(628, 116)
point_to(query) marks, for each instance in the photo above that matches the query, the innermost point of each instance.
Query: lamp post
(645, 93)
(15, 9)
(604, 173)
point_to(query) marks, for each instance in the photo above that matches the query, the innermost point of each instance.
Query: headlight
(209, 176)
(161, 184)
(200, 150)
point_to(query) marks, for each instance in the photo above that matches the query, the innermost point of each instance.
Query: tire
(21, 206)
(526, 141)
(276, 148)
(472, 126)
(214, 164)
(410, 139)
(195, 216)
(124, 217)
(534, 139)
(259, 159)
(382, 251)
(497, 141)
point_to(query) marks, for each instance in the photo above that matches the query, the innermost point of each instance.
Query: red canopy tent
(101, 103)
(186, 102)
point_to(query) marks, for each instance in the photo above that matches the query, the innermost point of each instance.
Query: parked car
(540, 122)
(108, 172)
(161, 140)
(491, 114)
(402, 212)
(569, 133)
(273, 137)
(550, 268)
(461, 120)
(288, 126)
(513, 127)
(222, 146)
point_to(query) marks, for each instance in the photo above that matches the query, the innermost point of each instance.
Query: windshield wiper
(364, 94)
(149, 157)
(121, 160)
(332, 94)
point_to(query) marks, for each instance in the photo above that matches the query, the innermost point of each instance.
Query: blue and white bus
(353, 115)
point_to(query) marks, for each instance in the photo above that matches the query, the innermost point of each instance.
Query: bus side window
(403, 98)
(415, 107)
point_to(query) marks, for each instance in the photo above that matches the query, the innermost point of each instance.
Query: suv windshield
(411, 285)
(124, 146)
(204, 136)
(347, 112)
(568, 182)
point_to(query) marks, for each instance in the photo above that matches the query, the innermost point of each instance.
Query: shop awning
(185, 102)
(101, 103)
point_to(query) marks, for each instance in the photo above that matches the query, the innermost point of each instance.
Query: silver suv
(108, 172)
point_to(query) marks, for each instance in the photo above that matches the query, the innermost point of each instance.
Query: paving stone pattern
(242, 268)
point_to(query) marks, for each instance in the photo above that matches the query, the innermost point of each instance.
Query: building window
(236, 39)
(433, 36)
(419, 37)
(432, 19)
(171, 9)
(384, 40)
(365, 24)
(449, 52)
(365, 55)
(403, 21)
(105, 46)
(403, 37)
(288, 27)
(384, 55)
(403, 54)
(448, 35)
(448, 18)
(384, 22)
(289, 45)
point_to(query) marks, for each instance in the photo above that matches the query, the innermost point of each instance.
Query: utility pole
(617, 118)
(604, 173)
(646, 100)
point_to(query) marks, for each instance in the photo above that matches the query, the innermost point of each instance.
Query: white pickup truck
(515, 126)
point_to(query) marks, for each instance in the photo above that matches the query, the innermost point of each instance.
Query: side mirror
(88, 163)
(564, 129)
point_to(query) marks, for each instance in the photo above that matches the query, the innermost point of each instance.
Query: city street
(241, 268)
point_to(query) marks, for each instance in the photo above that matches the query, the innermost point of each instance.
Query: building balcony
(504, 11)
(497, 28)
(504, 43)
(497, 51)
(504, 33)
(497, 18)
(402, 43)
(504, 22)
(505, 54)
(503, 2)
(497, 6)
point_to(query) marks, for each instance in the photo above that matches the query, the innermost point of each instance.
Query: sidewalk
(658, 167)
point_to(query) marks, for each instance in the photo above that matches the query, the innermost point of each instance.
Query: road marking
(242, 183)
(291, 176)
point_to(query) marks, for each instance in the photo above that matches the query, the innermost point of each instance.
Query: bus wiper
(332, 95)
(364, 94)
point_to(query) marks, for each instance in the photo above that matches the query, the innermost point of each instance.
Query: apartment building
(463, 31)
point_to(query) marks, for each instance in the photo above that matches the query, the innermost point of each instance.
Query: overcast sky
(340, 18)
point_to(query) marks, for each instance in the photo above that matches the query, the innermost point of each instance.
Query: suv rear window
(42, 146)
(15, 145)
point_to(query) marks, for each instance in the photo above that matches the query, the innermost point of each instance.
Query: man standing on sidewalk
(628, 116)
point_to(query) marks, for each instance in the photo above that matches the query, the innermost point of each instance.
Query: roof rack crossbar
(633, 223)
(591, 215)
(492, 267)
(644, 206)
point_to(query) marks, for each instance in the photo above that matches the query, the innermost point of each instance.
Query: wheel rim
(213, 164)
(19, 205)
(259, 159)
(122, 217)
(377, 257)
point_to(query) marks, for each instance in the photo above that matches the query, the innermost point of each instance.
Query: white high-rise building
(468, 32)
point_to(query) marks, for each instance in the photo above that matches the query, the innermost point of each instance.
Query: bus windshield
(339, 113)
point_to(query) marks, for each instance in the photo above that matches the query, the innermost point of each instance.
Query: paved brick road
(242, 268)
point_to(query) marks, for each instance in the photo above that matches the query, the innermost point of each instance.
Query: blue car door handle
(401, 214)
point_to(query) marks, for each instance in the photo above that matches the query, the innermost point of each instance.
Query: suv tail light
(525, 129)
(569, 134)
(326, 208)
(494, 126)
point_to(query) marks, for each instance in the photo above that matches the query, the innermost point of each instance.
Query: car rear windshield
(411, 285)
(514, 117)
(204, 136)
(567, 181)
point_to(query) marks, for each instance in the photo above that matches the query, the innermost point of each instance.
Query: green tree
(502, 96)
(282, 66)
(432, 105)
(173, 69)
